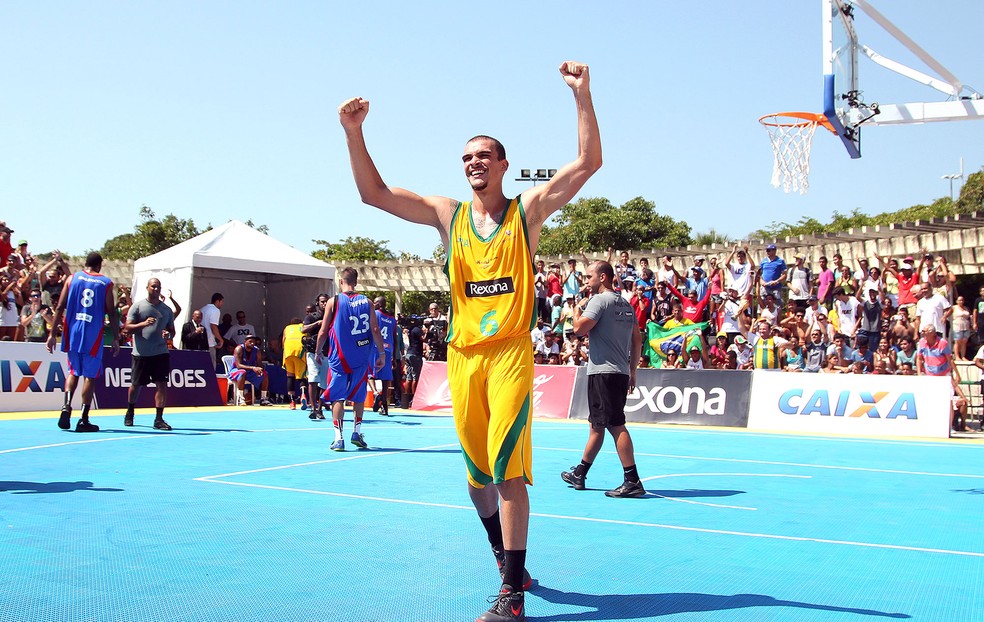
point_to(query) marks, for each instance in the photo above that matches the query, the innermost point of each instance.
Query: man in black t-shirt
(317, 375)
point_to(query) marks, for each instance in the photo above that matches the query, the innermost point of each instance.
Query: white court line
(774, 463)
(725, 532)
(358, 456)
(715, 505)
(85, 442)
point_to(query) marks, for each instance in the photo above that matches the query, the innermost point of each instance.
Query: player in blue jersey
(387, 328)
(84, 304)
(345, 339)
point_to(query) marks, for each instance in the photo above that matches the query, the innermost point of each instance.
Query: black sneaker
(627, 489)
(321, 416)
(85, 426)
(508, 606)
(128, 420)
(500, 560)
(313, 416)
(65, 420)
(572, 478)
(160, 424)
(377, 402)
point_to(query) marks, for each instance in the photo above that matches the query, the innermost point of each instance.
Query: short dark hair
(500, 151)
(603, 267)
(217, 297)
(94, 260)
(350, 276)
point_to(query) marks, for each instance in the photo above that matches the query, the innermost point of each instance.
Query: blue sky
(220, 110)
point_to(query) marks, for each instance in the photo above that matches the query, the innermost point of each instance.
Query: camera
(409, 321)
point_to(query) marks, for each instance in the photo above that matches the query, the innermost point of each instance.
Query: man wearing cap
(773, 272)
(742, 351)
(6, 248)
(731, 314)
(697, 282)
(800, 280)
(907, 277)
(249, 366)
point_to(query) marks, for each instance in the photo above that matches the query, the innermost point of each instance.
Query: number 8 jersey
(85, 313)
(350, 336)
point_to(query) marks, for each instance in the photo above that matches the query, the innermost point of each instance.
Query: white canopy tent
(269, 280)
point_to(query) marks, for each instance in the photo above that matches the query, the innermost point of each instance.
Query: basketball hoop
(791, 134)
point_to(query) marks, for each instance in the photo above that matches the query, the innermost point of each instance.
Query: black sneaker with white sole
(572, 478)
(86, 426)
(627, 489)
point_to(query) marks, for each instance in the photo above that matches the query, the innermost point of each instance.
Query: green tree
(711, 237)
(440, 253)
(149, 236)
(416, 303)
(353, 249)
(972, 194)
(595, 224)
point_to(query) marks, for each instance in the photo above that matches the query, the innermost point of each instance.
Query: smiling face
(484, 163)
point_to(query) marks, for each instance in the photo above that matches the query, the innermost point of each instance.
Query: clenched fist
(353, 112)
(575, 74)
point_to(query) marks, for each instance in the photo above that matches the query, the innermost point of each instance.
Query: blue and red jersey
(85, 311)
(387, 327)
(350, 336)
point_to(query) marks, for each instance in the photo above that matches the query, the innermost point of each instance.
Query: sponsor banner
(707, 397)
(552, 389)
(31, 379)
(192, 381)
(867, 405)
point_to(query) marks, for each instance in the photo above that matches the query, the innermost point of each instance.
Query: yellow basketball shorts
(492, 397)
(295, 366)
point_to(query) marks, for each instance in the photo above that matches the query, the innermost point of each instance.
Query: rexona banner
(867, 405)
(708, 397)
(552, 388)
(32, 379)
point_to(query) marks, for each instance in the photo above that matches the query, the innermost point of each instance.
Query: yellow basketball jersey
(491, 279)
(292, 340)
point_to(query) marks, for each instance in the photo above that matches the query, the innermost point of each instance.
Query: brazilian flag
(660, 341)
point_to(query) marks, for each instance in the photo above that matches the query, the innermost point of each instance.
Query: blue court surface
(244, 514)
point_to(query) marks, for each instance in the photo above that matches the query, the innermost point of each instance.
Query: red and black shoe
(508, 606)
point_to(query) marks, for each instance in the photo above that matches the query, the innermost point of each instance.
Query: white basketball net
(791, 137)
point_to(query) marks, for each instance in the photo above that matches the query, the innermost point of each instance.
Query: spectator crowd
(884, 315)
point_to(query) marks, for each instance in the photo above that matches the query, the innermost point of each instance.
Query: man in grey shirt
(610, 323)
(151, 322)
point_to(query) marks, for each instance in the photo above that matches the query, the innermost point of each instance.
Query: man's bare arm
(432, 210)
(542, 201)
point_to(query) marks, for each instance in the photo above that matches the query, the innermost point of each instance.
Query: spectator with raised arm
(741, 271)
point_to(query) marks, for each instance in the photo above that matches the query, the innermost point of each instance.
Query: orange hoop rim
(805, 119)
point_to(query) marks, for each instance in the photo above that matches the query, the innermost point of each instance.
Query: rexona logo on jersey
(878, 405)
(683, 400)
(494, 287)
(31, 376)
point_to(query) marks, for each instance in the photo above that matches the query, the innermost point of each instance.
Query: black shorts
(147, 369)
(606, 400)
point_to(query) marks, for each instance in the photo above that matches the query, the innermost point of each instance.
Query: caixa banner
(867, 405)
(32, 379)
(707, 397)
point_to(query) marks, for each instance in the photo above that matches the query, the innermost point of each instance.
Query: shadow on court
(39, 488)
(690, 492)
(637, 606)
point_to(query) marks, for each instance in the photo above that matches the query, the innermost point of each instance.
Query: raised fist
(575, 73)
(353, 112)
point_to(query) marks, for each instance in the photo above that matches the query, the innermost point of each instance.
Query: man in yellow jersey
(766, 347)
(490, 241)
(294, 365)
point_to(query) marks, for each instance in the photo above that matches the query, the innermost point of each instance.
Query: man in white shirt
(741, 271)
(847, 308)
(211, 316)
(932, 310)
(238, 332)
